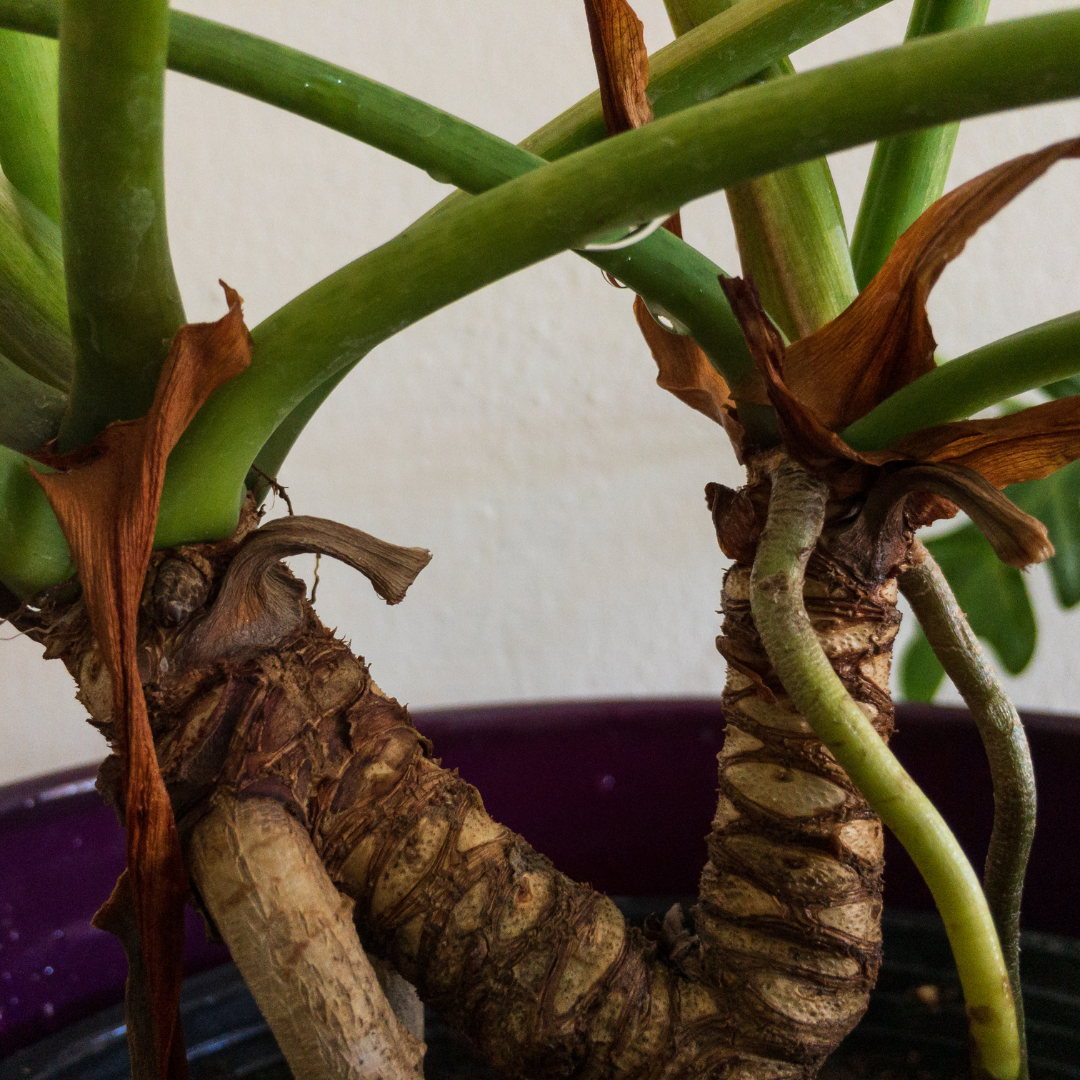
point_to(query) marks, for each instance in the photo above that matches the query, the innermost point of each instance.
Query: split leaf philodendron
(246, 736)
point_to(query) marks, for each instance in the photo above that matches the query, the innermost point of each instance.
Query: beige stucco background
(519, 434)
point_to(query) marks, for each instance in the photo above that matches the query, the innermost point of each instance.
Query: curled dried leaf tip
(260, 604)
(622, 64)
(622, 69)
(684, 370)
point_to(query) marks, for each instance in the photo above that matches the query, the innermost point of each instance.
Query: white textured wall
(518, 434)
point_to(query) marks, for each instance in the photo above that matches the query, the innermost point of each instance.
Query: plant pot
(616, 793)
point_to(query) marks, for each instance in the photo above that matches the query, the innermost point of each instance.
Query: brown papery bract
(107, 507)
(622, 64)
(622, 68)
(959, 463)
(1024, 445)
(883, 340)
(685, 371)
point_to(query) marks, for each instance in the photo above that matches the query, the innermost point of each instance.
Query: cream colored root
(292, 936)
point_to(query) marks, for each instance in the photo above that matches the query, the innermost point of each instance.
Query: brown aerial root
(291, 935)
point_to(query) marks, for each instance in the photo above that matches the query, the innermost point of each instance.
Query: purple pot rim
(629, 714)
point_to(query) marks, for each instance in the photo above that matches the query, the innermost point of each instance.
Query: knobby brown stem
(540, 972)
(960, 654)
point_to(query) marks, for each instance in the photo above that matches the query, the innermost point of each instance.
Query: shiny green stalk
(908, 171)
(788, 224)
(631, 177)
(123, 301)
(699, 66)
(28, 125)
(1024, 361)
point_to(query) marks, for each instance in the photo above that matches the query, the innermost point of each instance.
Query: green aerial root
(960, 654)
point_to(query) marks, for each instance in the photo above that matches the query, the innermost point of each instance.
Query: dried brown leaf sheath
(107, 508)
(622, 64)
(1009, 449)
(685, 371)
(622, 67)
(883, 340)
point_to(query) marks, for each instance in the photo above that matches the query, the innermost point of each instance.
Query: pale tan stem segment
(292, 936)
(960, 654)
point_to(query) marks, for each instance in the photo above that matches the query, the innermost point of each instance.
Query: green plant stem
(697, 67)
(31, 409)
(28, 126)
(908, 171)
(702, 64)
(713, 55)
(629, 178)
(958, 389)
(123, 301)
(33, 551)
(796, 515)
(34, 331)
(960, 654)
(788, 224)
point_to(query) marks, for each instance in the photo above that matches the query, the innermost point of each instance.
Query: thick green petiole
(123, 301)
(1032, 358)
(796, 515)
(631, 177)
(699, 66)
(34, 328)
(908, 171)
(788, 224)
(28, 135)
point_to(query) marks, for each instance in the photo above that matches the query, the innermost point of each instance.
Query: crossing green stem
(1023, 361)
(628, 178)
(789, 226)
(908, 171)
(631, 177)
(699, 66)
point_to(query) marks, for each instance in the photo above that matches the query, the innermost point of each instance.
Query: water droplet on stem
(624, 238)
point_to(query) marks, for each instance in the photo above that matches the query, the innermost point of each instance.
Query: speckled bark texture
(758, 982)
(291, 935)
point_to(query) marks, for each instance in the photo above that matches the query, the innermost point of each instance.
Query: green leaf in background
(1055, 501)
(992, 595)
(921, 675)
